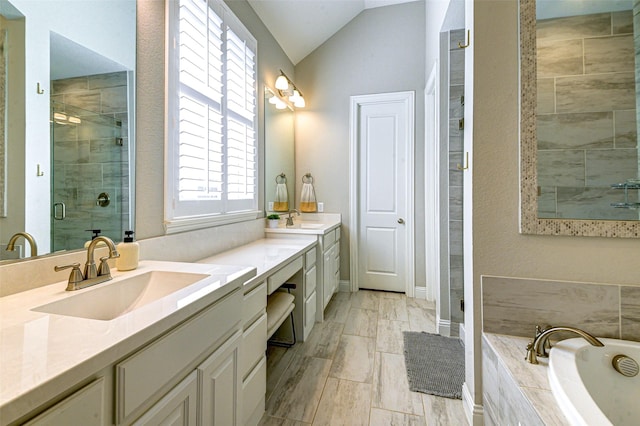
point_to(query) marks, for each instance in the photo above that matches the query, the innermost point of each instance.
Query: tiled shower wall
(456, 156)
(586, 115)
(88, 159)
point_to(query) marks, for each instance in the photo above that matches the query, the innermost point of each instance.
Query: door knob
(401, 221)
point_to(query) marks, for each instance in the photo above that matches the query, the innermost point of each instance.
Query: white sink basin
(122, 296)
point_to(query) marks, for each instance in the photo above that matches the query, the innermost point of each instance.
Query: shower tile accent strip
(515, 306)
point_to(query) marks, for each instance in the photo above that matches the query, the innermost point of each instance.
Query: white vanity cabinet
(156, 383)
(253, 360)
(86, 407)
(329, 274)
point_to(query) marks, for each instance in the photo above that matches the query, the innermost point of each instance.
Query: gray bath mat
(435, 364)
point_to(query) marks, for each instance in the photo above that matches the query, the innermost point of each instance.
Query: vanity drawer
(328, 239)
(253, 303)
(156, 367)
(254, 389)
(310, 258)
(254, 344)
(280, 277)
(310, 282)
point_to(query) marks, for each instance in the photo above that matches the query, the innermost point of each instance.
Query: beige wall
(150, 104)
(498, 247)
(381, 50)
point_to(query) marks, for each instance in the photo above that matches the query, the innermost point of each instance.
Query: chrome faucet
(290, 218)
(11, 246)
(537, 347)
(92, 275)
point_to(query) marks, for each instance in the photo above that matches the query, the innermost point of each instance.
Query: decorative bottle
(129, 251)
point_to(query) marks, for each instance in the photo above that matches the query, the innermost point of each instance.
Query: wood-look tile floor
(351, 369)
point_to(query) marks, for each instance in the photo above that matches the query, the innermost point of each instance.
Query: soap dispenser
(129, 251)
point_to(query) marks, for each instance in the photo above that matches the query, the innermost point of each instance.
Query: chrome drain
(625, 365)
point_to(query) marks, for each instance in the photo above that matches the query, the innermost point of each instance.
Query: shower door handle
(59, 208)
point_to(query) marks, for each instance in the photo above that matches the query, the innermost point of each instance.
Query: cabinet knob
(401, 221)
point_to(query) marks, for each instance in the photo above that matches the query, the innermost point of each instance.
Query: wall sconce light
(288, 90)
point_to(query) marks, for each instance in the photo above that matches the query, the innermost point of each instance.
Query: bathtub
(588, 389)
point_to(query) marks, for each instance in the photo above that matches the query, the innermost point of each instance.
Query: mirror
(279, 154)
(71, 111)
(579, 150)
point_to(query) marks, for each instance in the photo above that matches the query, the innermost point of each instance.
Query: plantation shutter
(212, 153)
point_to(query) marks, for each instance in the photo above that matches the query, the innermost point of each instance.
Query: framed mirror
(279, 154)
(70, 105)
(579, 150)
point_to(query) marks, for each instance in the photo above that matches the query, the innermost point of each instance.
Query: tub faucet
(537, 347)
(92, 275)
(290, 218)
(11, 246)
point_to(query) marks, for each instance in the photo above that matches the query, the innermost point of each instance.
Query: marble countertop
(42, 354)
(266, 255)
(308, 224)
(531, 378)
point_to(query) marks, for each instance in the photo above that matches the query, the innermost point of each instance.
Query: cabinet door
(220, 385)
(83, 407)
(327, 277)
(177, 408)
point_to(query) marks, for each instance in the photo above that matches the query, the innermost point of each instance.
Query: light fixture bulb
(74, 120)
(282, 83)
(294, 96)
(299, 102)
(280, 105)
(273, 100)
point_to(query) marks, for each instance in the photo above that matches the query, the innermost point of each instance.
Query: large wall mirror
(68, 146)
(580, 157)
(279, 154)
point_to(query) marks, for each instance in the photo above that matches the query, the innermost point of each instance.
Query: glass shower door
(89, 188)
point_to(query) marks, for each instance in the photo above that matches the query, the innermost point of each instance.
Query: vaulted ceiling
(300, 26)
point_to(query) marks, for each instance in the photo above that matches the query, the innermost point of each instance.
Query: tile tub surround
(514, 391)
(514, 306)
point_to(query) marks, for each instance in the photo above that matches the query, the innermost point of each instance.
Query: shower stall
(90, 159)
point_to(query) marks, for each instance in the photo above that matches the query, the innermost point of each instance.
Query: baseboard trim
(473, 412)
(344, 285)
(444, 327)
(420, 293)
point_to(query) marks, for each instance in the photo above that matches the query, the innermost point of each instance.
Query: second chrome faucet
(92, 274)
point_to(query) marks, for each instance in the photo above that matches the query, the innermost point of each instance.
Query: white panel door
(384, 138)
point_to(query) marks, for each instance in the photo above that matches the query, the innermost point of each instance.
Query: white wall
(381, 50)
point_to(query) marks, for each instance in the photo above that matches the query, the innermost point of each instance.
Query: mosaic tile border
(529, 221)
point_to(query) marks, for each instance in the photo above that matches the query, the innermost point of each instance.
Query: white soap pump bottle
(129, 251)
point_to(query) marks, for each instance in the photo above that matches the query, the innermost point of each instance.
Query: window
(211, 145)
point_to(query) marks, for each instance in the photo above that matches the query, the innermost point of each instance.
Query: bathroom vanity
(325, 227)
(162, 358)
(175, 340)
